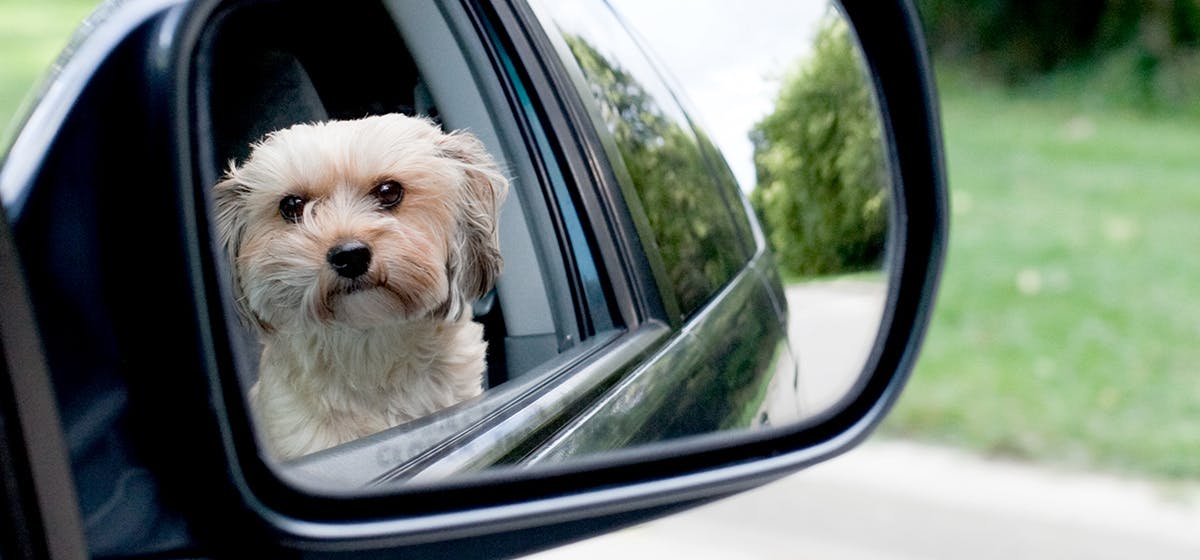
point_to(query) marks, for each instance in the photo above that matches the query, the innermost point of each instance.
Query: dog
(356, 248)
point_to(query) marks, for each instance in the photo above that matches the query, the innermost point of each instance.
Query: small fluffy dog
(357, 248)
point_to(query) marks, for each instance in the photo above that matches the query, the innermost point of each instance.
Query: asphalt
(898, 500)
(893, 500)
(832, 327)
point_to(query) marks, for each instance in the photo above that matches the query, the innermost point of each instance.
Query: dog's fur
(343, 358)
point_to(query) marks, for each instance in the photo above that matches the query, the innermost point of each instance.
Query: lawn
(32, 33)
(1068, 324)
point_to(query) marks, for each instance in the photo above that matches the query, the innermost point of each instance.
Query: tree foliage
(1153, 46)
(696, 218)
(692, 223)
(822, 180)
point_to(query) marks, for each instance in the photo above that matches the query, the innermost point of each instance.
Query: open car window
(549, 313)
(409, 63)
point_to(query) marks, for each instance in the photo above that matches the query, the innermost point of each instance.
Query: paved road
(890, 500)
(832, 326)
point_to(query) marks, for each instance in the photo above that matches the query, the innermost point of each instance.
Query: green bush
(822, 190)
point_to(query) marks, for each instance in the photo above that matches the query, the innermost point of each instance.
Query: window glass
(692, 219)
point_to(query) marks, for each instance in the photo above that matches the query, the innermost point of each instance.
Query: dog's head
(360, 223)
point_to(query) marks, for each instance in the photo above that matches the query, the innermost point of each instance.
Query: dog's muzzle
(350, 260)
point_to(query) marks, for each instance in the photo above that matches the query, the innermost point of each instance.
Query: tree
(1148, 51)
(693, 226)
(822, 180)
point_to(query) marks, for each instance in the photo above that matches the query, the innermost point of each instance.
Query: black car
(638, 350)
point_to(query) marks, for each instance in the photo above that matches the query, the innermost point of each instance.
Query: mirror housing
(627, 486)
(212, 476)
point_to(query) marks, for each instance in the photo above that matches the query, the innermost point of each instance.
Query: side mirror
(635, 269)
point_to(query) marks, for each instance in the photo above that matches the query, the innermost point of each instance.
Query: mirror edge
(551, 506)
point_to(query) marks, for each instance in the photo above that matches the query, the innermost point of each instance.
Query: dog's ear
(229, 200)
(475, 260)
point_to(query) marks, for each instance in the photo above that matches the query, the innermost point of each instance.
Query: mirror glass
(784, 93)
(425, 287)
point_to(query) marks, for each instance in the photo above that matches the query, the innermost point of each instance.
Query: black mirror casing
(195, 436)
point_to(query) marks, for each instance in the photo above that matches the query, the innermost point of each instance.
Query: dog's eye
(291, 207)
(388, 193)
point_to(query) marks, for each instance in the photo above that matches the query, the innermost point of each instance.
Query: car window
(265, 82)
(699, 223)
(550, 305)
(264, 69)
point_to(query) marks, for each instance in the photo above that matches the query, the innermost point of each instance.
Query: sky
(728, 58)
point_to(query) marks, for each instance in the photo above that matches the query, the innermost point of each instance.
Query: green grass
(1068, 324)
(32, 33)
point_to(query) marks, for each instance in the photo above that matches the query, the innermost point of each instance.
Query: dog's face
(360, 223)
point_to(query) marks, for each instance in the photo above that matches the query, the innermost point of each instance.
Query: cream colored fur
(348, 357)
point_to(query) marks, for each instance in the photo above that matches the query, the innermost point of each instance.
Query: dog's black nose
(350, 260)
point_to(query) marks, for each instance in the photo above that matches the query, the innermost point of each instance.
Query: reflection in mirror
(823, 197)
(756, 183)
(792, 108)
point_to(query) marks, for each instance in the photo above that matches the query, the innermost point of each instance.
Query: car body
(640, 302)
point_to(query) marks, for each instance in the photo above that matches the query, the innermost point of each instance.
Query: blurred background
(1068, 321)
(1066, 332)
(32, 34)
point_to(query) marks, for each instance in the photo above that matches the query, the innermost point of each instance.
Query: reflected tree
(823, 185)
(692, 205)
(692, 224)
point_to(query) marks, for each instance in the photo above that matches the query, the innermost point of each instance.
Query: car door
(712, 267)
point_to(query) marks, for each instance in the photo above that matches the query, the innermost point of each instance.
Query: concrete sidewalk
(900, 500)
